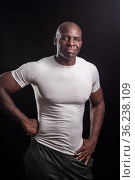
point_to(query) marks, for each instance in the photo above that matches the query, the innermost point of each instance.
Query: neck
(64, 61)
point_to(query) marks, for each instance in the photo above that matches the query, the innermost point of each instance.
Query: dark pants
(44, 163)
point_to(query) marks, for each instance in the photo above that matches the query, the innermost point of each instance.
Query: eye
(77, 39)
(64, 38)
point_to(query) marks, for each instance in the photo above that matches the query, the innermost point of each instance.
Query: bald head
(68, 41)
(66, 26)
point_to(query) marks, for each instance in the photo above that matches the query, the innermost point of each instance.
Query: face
(68, 41)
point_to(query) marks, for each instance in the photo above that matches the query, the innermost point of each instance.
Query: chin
(69, 57)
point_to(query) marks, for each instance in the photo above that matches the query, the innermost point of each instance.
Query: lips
(70, 50)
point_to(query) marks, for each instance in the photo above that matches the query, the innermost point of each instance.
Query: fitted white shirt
(60, 92)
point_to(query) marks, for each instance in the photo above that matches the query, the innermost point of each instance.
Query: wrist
(22, 118)
(93, 139)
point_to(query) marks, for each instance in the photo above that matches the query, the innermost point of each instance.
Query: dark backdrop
(26, 34)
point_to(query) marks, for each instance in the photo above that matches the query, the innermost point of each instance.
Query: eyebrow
(71, 36)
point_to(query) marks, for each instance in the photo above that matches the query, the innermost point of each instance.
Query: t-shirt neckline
(64, 66)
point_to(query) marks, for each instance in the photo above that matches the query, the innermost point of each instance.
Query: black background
(26, 34)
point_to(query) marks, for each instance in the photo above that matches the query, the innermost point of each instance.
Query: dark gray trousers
(44, 163)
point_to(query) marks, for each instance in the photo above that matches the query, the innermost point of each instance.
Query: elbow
(100, 104)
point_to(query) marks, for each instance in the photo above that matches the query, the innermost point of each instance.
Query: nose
(71, 42)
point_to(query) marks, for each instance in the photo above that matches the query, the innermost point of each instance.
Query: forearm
(88, 146)
(9, 108)
(96, 120)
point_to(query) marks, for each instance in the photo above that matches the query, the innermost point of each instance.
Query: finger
(79, 150)
(82, 156)
(87, 159)
(28, 134)
(32, 134)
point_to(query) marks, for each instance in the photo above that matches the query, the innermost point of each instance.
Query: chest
(65, 86)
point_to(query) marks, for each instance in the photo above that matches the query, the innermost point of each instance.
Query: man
(62, 84)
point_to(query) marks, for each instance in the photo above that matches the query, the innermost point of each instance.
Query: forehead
(70, 30)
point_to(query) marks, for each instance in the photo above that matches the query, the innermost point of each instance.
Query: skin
(8, 86)
(68, 42)
(96, 120)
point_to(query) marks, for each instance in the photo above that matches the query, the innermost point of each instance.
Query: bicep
(97, 97)
(8, 83)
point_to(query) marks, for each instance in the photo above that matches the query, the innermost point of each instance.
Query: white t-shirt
(60, 92)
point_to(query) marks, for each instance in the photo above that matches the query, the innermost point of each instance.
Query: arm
(8, 86)
(96, 120)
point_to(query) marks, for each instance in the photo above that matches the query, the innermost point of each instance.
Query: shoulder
(36, 66)
(86, 64)
(32, 70)
(45, 61)
(42, 62)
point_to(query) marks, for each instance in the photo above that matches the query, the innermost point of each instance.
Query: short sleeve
(26, 74)
(96, 81)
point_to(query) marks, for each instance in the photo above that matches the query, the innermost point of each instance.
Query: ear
(55, 41)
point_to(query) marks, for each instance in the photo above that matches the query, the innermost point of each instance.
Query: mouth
(70, 50)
